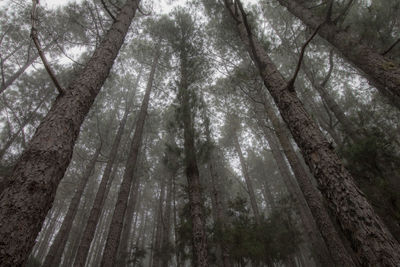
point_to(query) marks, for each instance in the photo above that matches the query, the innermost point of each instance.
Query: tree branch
(328, 75)
(391, 47)
(343, 13)
(36, 41)
(107, 10)
(290, 84)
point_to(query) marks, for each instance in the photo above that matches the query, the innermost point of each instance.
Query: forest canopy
(199, 133)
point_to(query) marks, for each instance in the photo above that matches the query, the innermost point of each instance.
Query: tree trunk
(113, 238)
(159, 227)
(249, 183)
(199, 240)
(382, 73)
(219, 209)
(368, 235)
(53, 257)
(123, 250)
(317, 246)
(104, 187)
(165, 245)
(25, 203)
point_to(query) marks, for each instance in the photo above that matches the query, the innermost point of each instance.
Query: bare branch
(107, 10)
(290, 84)
(344, 12)
(34, 36)
(328, 16)
(328, 75)
(391, 47)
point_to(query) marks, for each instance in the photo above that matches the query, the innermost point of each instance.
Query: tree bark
(104, 187)
(382, 73)
(53, 257)
(114, 235)
(199, 240)
(368, 235)
(249, 183)
(166, 239)
(25, 203)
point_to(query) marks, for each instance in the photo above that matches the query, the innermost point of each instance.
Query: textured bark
(199, 240)
(53, 257)
(369, 237)
(114, 235)
(104, 186)
(25, 203)
(309, 200)
(382, 73)
(249, 182)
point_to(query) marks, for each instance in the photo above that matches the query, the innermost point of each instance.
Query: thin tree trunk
(199, 240)
(123, 250)
(104, 187)
(177, 255)
(311, 230)
(160, 228)
(24, 204)
(249, 183)
(365, 230)
(53, 257)
(114, 234)
(219, 207)
(382, 73)
(167, 221)
(43, 245)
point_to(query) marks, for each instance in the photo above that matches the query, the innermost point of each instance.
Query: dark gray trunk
(114, 234)
(166, 242)
(382, 73)
(368, 235)
(159, 228)
(53, 257)
(25, 203)
(199, 240)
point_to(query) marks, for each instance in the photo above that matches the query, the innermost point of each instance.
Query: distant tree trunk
(219, 209)
(382, 73)
(104, 186)
(199, 240)
(177, 254)
(249, 183)
(44, 242)
(159, 227)
(53, 257)
(114, 235)
(21, 70)
(317, 246)
(165, 245)
(371, 240)
(25, 203)
(268, 197)
(123, 251)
